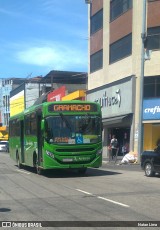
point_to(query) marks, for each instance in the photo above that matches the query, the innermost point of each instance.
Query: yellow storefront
(77, 95)
(151, 123)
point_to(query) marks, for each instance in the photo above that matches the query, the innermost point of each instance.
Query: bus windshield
(83, 129)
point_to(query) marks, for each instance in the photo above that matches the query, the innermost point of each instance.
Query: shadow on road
(64, 173)
(5, 209)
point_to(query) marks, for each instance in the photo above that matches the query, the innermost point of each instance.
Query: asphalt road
(111, 193)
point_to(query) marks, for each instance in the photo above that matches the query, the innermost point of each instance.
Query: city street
(111, 193)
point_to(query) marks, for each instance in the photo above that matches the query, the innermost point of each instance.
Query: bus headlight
(50, 154)
(99, 152)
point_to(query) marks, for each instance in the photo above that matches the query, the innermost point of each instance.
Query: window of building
(121, 48)
(96, 61)
(97, 21)
(152, 87)
(118, 7)
(153, 38)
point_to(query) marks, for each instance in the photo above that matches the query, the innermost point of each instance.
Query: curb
(117, 162)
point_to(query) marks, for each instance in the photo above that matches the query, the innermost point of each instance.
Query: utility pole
(143, 36)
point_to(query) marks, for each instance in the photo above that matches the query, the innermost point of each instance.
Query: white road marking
(84, 192)
(23, 171)
(103, 198)
(112, 201)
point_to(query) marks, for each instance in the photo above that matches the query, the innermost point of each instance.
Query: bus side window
(27, 125)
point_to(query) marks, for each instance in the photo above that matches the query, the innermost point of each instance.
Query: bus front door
(39, 138)
(22, 140)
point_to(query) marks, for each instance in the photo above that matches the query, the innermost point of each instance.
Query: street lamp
(143, 36)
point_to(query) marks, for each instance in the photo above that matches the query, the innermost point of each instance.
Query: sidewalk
(115, 165)
(106, 160)
(117, 161)
(114, 161)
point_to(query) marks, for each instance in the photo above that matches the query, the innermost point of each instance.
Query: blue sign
(79, 140)
(151, 109)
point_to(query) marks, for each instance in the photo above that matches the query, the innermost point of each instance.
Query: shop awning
(116, 120)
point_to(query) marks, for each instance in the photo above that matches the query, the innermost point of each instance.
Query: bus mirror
(42, 125)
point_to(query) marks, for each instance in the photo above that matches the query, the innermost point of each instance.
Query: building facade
(26, 94)
(6, 86)
(55, 86)
(115, 70)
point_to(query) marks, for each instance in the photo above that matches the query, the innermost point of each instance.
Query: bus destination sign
(72, 107)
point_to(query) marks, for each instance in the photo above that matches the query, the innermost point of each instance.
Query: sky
(37, 36)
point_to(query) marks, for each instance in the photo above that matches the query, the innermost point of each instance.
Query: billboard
(57, 94)
(151, 109)
(17, 103)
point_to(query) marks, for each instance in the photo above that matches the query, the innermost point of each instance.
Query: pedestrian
(114, 146)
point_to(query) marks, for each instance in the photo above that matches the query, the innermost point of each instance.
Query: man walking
(114, 146)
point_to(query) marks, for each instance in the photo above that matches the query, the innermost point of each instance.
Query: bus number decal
(61, 139)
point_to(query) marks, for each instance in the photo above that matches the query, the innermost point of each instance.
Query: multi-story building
(17, 94)
(55, 86)
(26, 94)
(116, 66)
(6, 85)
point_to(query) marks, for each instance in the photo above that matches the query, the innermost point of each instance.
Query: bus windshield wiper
(66, 121)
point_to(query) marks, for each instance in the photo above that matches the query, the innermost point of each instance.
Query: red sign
(57, 94)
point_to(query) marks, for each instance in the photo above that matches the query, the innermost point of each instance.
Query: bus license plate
(67, 160)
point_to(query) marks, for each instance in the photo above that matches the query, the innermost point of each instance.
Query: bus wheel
(82, 170)
(18, 162)
(38, 169)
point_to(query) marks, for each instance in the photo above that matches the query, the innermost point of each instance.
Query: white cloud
(40, 56)
(57, 57)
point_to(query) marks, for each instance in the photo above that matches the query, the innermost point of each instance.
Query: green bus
(57, 135)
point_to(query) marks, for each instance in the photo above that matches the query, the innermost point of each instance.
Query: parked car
(150, 162)
(4, 146)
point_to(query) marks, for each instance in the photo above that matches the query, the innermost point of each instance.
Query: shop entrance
(123, 137)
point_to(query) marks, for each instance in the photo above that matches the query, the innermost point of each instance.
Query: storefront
(117, 101)
(151, 123)
(76, 95)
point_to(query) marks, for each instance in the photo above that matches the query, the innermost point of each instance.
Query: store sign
(57, 94)
(106, 101)
(115, 99)
(151, 109)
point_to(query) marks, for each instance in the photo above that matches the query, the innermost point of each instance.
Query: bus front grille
(78, 150)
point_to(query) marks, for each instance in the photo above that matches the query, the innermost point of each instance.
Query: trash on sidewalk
(131, 157)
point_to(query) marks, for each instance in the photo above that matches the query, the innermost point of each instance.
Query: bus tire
(38, 169)
(18, 162)
(34, 159)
